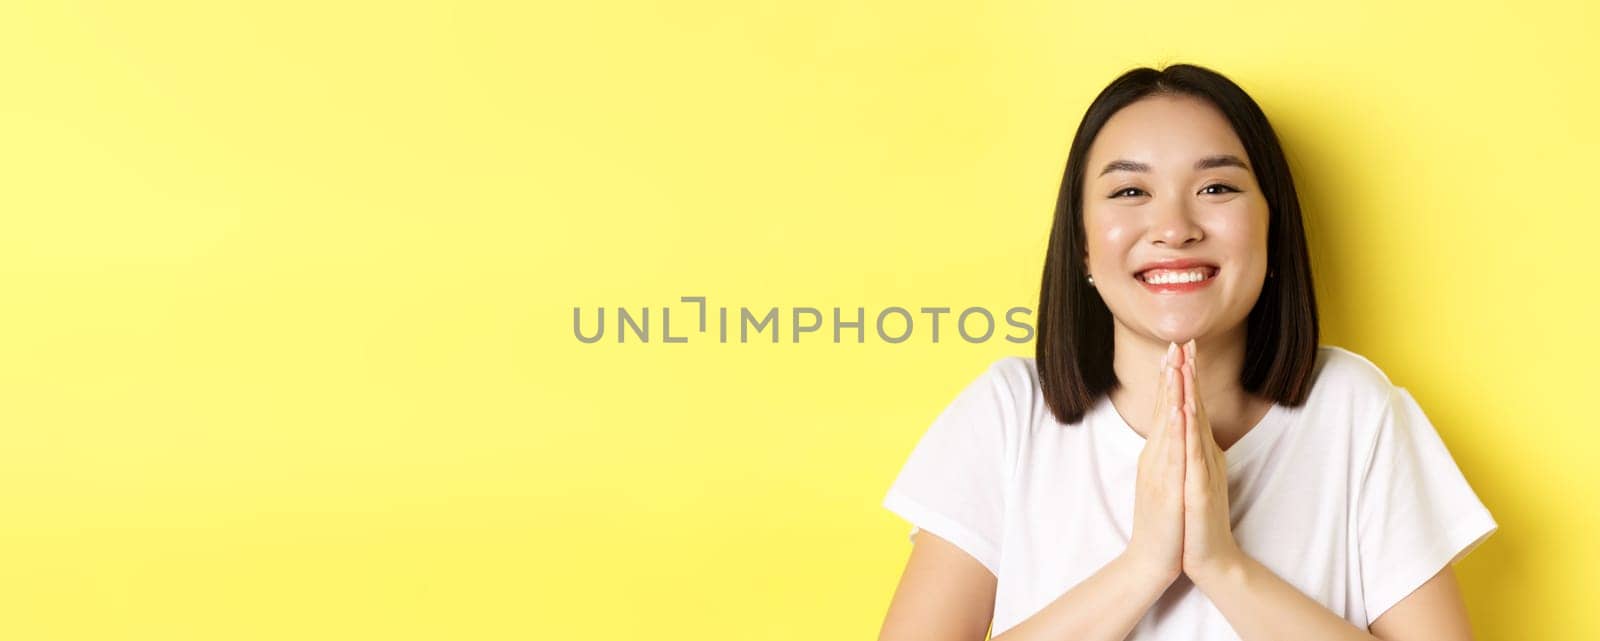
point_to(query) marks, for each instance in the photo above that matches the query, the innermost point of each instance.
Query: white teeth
(1164, 277)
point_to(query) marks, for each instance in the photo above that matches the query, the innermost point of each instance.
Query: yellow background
(287, 350)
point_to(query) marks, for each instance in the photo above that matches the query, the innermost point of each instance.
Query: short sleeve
(953, 483)
(1417, 514)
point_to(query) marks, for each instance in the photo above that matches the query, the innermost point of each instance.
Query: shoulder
(1349, 388)
(1013, 378)
(1008, 388)
(1342, 375)
(1019, 374)
(1008, 381)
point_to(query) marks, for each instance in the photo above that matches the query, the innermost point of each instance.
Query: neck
(1137, 363)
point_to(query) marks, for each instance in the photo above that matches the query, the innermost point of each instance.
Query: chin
(1179, 335)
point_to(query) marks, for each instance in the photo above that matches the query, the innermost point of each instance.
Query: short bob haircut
(1075, 345)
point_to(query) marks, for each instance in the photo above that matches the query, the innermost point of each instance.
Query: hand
(1208, 542)
(1157, 543)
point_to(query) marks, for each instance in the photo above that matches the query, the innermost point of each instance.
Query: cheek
(1244, 234)
(1108, 239)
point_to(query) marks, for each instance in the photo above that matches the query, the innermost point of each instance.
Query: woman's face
(1159, 186)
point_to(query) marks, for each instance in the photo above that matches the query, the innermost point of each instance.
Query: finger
(1158, 438)
(1194, 360)
(1174, 422)
(1192, 353)
(1191, 423)
(1163, 409)
(1174, 439)
(1219, 463)
(1216, 459)
(1175, 393)
(1166, 364)
(1162, 383)
(1193, 470)
(1174, 402)
(1217, 454)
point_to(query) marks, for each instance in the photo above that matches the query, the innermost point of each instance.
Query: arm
(1260, 606)
(945, 594)
(1104, 606)
(1434, 611)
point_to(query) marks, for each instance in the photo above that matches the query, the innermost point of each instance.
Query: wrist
(1229, 568)
(1147, 571)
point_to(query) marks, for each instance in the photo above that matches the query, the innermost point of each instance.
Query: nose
(1174, 226)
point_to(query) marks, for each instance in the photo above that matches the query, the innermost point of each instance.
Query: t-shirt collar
(1106, 421)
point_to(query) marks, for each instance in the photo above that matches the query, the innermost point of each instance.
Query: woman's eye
(1120, 192)
(1227, 187)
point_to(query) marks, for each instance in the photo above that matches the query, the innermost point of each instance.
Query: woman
(1181, 459)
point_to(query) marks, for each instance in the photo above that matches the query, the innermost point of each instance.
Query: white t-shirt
(1351, 498)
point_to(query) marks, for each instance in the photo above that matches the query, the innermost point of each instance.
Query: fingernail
(1172, 348)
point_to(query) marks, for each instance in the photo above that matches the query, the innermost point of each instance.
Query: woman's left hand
(1208, 543)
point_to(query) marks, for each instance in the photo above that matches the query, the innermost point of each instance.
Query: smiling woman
(1186, 171)
(1253, 484)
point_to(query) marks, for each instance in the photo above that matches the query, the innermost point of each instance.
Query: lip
(1178, 288)
(1177, 263)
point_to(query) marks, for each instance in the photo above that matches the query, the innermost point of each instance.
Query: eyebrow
(1219, 160)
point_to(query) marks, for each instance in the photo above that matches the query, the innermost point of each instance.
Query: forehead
(1165, 131)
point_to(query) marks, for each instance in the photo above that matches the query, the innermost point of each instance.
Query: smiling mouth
(1192, 274)
(1177, 280)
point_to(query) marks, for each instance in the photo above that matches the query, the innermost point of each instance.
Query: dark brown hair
(1074, 350)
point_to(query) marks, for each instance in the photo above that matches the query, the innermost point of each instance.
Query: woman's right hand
(1157, 541)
